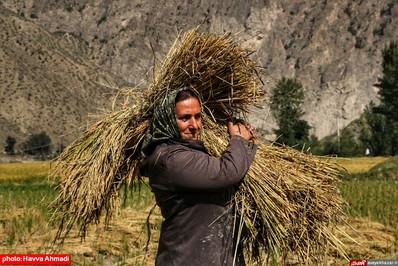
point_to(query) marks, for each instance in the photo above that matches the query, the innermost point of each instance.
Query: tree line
(36, 144)
(378, 134)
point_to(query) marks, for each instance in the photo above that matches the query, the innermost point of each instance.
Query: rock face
(333, 48)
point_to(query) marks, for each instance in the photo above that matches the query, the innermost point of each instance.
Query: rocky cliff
(333, 48)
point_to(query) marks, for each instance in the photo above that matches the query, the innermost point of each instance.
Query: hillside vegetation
(46, 82)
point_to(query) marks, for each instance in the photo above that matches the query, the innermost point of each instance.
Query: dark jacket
(193, 190)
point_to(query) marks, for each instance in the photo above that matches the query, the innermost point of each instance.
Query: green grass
(376, 199)
(24, 208)
(26, 195)
(374, 195)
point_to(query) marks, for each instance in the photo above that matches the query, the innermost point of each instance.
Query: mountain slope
(45, 84)
(332, 47)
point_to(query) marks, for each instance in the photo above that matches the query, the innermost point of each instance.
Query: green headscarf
(164, 123)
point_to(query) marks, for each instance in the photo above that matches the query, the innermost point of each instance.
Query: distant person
(192, 188)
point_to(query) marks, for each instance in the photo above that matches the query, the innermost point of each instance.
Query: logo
(358, 263)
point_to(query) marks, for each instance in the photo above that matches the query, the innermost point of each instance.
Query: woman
(192, 188)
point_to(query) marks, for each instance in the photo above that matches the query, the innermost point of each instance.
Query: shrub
(37, 144)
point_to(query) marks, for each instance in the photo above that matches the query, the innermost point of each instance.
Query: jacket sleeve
(186, 168)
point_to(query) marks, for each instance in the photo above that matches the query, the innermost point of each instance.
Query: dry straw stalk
(288, 201)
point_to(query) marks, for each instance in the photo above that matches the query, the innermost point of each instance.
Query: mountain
(333, 48)
(46, 83)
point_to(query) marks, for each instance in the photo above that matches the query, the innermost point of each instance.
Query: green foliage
(10, 144)
(314, 146)
(346, 145)
(349, 145)
(37, 144)
(387, 169)
(388, 83)
(286, 99)
(376, 131)
(380, 123)
(330, 146)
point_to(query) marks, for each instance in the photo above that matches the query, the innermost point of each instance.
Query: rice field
(18, 171)
(26, 194)
(375, 199)
(371, 188)
(358, 165)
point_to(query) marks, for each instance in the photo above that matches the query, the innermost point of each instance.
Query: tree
(388, 83)
(387, 118)
(37, 144)
(376, 131)
(349, 144)
(10, 144)
(286, 99)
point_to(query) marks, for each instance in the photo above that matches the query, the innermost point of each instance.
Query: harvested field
(24, 216)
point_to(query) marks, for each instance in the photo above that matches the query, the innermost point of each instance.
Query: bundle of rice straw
(288, 201)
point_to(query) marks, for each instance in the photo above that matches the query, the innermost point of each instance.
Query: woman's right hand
(242, 129)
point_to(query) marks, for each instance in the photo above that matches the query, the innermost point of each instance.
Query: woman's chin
(190, 136)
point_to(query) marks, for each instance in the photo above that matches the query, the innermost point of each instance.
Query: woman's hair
(185, 94)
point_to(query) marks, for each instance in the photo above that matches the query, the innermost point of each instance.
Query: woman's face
(189, 118)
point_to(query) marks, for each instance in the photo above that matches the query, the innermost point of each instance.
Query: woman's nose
(193, 123)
